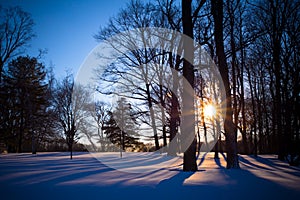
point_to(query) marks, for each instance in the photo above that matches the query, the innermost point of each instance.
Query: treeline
(31, 115)
(36, 110)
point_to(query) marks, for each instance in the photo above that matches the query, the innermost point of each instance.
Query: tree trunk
(33, 142)
(253, 111)
(163, 115)
(231, 143)
(218, 130)
(21, 132)
(276, 36)
(258, 116)
(153, 124)
(71, 151)
(241, 80)
(189, 157)
(174, 116)
(233, 65)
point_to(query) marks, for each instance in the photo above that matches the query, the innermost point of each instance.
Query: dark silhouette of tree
(101, 116)
(256, 47)
(70, 104)
(121, 127)
(135, 60)
(16, 30)
(231, 140)
(24, 101)
(189, 158)
(276, 63)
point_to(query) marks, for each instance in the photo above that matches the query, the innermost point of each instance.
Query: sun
(210, 110)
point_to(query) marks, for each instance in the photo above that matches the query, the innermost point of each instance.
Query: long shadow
(202, 159)
(259, 188)
(217, 161)
(223, 155)
(168, 189)
(48, 174)
(279, 165)
(55, 161)
(253, 165)
(238, 183)
(271, 162)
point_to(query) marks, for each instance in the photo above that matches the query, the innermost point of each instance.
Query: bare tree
(189, 159)
(277, 64)
(231, 146)
(16, 30)
(71, 102)
(101, 116)
(137, 66)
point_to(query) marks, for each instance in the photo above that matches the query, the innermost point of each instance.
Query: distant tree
(48, 122)
(24, 101)
(94, 117)
(101, 115)
(16, 30)
(137, 66)
(70, 106)
(65, 111)
(121, 128)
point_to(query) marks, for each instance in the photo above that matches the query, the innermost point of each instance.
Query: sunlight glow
(210, 110)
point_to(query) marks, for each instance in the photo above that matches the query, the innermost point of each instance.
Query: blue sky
(66, 28)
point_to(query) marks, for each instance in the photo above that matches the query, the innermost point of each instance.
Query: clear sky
(66, 28)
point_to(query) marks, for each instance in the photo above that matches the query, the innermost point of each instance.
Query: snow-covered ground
(55, 176)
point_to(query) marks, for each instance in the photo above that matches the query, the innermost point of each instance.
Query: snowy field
(55, 176)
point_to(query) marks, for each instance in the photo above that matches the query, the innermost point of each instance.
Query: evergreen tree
(120, 127)
(23, 96)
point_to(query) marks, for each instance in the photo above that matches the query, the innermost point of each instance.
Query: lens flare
(210, 110)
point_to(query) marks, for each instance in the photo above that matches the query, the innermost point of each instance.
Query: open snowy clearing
(55, 176)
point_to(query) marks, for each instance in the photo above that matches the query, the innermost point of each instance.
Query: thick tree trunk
(231, 143)
(233, 65)
(276, 37)
(189, 158)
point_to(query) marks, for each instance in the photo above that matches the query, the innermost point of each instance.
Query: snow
(55, 176)
(137, 162)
